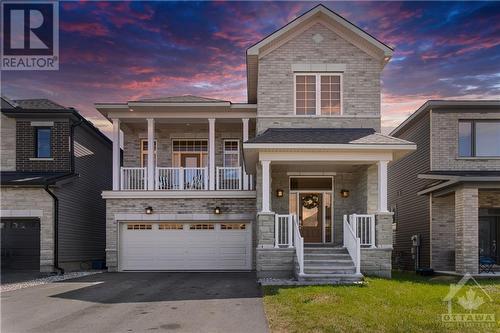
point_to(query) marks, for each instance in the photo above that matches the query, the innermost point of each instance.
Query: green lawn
(405, 303)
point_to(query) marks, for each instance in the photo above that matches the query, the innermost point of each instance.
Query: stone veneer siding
(25, 147)
(166, 210)
(444, 139)
(34, 203)
(466, 230)
(443, 233)
(377, 261)
(489, 199)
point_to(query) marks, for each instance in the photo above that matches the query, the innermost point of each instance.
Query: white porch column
(151, 154)
(211, 153)
(266, 184)
(116, 154)
(245, 138)
(382, 186)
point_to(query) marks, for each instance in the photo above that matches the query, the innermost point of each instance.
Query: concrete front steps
(327, 265)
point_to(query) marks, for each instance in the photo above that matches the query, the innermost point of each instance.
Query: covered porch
(323, 195)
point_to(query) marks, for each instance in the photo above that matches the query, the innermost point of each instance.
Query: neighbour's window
(318, 94)
(478, 138)
(231, 153)
(144, 153)
(43, 142)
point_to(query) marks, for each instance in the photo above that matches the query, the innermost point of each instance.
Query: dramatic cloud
(119, 51)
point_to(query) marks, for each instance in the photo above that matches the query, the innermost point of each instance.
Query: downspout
(56, 229)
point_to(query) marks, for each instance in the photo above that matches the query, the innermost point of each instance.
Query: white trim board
(179, 194)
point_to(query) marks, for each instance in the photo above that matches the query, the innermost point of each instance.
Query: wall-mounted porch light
(149, 210)
(344, 193)
(279, 193)
(217, 210)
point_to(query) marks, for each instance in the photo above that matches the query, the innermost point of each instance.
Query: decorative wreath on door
(310, 201)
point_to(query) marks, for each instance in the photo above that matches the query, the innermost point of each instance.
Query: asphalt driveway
(138, 302)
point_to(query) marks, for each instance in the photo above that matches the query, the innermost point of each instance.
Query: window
(170, 226)
(43, 142)
(144, 153)
(231, 153)
(318, 94)
(201, 226)
(139, 226)
(478, 138)
(233, 226)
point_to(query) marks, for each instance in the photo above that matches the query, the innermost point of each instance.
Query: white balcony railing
(229, 178)
(133, 178)
(181, 178)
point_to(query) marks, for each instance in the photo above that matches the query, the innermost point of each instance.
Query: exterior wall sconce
(344, 193)
(149, 210)
(279, 193)
(217, 210)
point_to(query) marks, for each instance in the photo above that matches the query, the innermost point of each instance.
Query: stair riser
(337, 271)
(328, 262)
(326, 258)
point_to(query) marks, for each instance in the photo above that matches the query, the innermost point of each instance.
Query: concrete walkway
(138, 302)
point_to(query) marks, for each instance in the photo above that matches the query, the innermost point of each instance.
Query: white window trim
(224, 152)
(318, 93)
(173, 152)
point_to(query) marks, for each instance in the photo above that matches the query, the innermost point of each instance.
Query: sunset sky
(119, 51)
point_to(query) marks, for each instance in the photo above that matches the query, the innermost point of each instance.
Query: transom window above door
(190, 153)
(318, 94)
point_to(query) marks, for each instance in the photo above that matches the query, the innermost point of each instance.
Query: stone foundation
(376, 262)
(275, 263)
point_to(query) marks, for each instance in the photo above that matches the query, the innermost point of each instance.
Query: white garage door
(185, 246)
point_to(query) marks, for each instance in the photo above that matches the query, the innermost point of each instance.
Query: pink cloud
(85, 28)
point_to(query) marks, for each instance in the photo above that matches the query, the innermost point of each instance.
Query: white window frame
(318, 93)
(224, 152)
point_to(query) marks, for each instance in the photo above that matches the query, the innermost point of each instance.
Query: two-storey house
(54, 166)
(293, 182)
(446, 195)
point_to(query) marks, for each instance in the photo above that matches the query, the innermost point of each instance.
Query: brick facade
(466, 230)
(8, 144)
(361, 81)
(443, 233)
(445, 142)
(25, 147)
(170, 210)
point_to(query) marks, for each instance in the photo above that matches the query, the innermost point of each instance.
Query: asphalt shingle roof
(38, 104)
(312, 135)
(16, 178)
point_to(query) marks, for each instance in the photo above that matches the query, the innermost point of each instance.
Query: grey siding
(82, 211)
(412, 210)
(8, 143)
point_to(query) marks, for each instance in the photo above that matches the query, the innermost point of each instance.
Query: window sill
(41, 159)
(480, 158)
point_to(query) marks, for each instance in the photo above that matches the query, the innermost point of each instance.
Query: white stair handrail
(351, 242)
(298, 241)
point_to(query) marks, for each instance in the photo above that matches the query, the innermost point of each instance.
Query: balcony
(185, 179)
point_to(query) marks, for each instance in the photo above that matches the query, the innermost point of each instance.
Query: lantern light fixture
(344, 193)
(149, 210)
(279, 193)
(217, 210)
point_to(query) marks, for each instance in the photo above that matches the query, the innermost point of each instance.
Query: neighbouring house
(293, 182)
(54, 167)
(447, 194)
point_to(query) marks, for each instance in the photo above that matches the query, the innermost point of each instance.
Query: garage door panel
(187, 249)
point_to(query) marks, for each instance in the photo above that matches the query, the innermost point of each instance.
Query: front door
(190, 160)
(310, 216)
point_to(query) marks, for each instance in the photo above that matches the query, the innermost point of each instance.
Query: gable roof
(329, 14)
(181, 99)
(342, 27)
(39, 104)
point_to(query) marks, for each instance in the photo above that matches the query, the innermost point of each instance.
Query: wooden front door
(311, 217)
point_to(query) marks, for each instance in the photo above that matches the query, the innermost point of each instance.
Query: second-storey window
(231, 153)
(318, 94)
(478, 138)
(43, 142)
(144, 153)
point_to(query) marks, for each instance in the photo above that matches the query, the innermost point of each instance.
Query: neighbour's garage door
(20, 244)
(185, 246)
